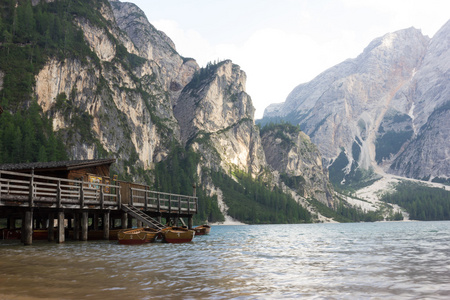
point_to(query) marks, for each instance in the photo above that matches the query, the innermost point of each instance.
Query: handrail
(161, 201)
(38, 188)
(35, 190)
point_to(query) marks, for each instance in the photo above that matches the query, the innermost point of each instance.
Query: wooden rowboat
(10, 234)
(137, 236)
(202, 229)
(177, 235)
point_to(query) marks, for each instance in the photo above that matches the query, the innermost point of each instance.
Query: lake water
(394, 260)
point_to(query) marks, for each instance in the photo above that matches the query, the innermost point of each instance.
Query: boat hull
(178, 235)
(202, 229)
(137, 236)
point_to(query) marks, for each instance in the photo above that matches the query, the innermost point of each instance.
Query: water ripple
(401, 260)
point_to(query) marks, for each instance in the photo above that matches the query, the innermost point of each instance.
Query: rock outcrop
(215, 110)
(291, 152)
(377, 107)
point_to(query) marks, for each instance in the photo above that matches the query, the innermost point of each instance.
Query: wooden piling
(124, 220)
(106, 225)
(76, 226)
(51, 224)
(27, 228)
(60, 233)
(84, 226)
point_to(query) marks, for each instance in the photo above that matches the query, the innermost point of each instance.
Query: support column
(106, 225)
(76, 226)
(51, 227)
(27, 228)
(84, 226)
(95, 221)
(124, 221)
(130, 222)
(60, 232)
(190, 222)
(11, 223)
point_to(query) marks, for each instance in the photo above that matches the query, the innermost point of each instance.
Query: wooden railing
(163, 202)
(31, 190)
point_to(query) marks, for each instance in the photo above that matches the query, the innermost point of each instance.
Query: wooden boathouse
(78, 199)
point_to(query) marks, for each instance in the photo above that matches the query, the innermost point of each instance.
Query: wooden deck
(24, 193)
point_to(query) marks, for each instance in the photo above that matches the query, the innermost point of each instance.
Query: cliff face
(374, 107)
(214, 109)
(290, 152)
(130, 95)
(429, 91)
(125, 96)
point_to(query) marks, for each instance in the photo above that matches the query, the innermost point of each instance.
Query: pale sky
(282, 43)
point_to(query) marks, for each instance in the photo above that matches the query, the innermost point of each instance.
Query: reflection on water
(401, 260)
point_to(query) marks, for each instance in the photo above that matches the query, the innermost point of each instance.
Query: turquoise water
(395, 260)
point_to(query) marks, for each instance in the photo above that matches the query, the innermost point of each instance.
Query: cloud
(285, 48)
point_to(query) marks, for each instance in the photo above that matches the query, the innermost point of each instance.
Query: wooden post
(60, 233)
(102, 199)
(189, 205)
(170, 204)
(194, 193)
(130, 222)
(84, 226)
(95, 221)
(58, 194)
(131, 196)
(31, 190)
(124, 220)
(106, 225)
(146, 199)
(158, 199)
(27, 228)
(190, 222)
(119, 197)
(11, 223)
(51, 224)
(82, 196)
(76, 226)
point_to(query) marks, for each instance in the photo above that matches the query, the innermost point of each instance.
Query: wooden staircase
(141, 216)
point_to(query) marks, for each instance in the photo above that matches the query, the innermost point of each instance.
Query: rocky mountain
(113, 85)
(385, 110)
(291, 153)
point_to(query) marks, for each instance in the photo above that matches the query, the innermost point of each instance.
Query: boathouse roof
(58, 165)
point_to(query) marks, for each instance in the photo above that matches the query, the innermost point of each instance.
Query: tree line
(251, 201)
(29, 137)
(421, 202)
(177, 174)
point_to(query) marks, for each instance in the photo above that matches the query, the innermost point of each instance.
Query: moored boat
(137, 236)
(202, 229)
(10, 234)
(177, 235)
